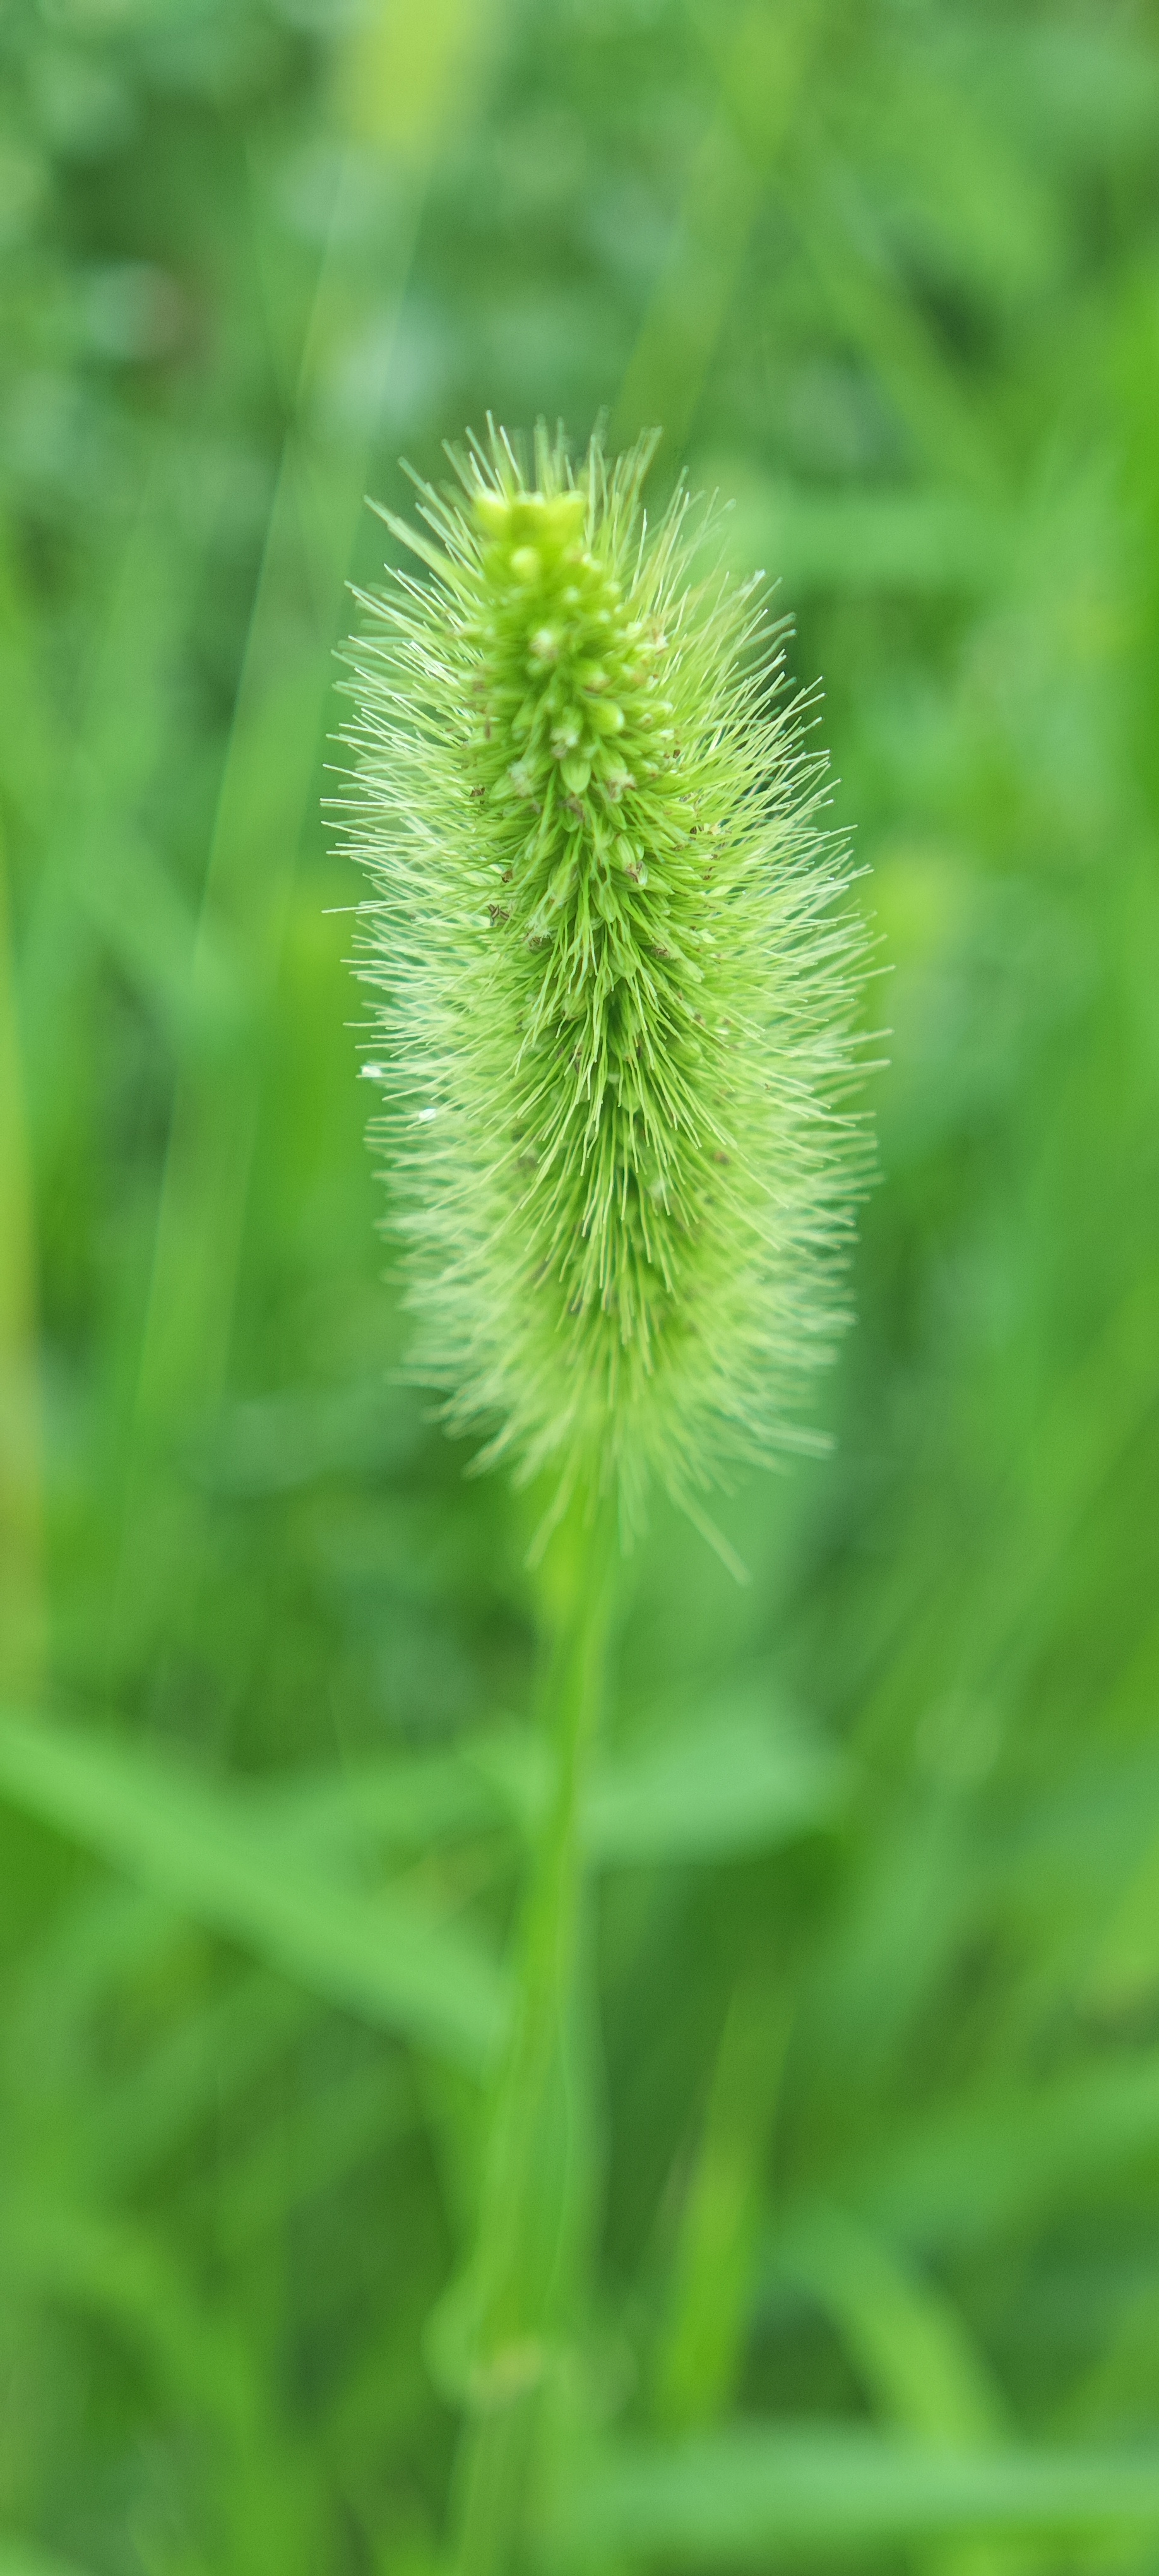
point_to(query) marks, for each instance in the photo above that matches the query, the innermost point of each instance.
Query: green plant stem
(22, 1596)
(524, 2275)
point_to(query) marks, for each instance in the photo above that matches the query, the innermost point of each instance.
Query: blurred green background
(878, 2106)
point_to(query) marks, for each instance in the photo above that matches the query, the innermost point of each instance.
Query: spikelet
(616, 987)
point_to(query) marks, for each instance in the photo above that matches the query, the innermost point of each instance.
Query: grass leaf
(731, 2499)
(26, 2558)
(384, 1956)
(728, 1784)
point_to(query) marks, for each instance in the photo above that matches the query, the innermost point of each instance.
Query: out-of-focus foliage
(876, 2128)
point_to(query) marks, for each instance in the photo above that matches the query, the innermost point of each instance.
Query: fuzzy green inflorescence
(617, 990)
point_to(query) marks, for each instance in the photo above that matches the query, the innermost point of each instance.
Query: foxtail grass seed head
(615, 980)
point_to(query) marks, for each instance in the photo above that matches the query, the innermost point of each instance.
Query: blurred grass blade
(404, 1804)
(733, 2499)
(729, 1784)
(907, 2342)
(989, 2164)
(99, 869)
(398, 81)
(381, 1956)
(920, 543)
(762, 65)
(22, 1614)
(189, 2077)
(115, 2270)
(912, 2351)
(335, 2133)
(714, 2256)
(118, 2274)
(1125, 1970)
(27, 2558)
(107, 1934)
(867, 293)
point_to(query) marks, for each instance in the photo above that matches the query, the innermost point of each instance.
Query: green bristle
(617, 981)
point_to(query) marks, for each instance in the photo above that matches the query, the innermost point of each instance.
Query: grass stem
(535, 2192)
(22, 1592)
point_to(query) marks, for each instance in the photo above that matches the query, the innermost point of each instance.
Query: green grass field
(865, 2127)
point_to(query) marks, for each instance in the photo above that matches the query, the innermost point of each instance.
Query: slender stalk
(22, 1587)
(525, 2264)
